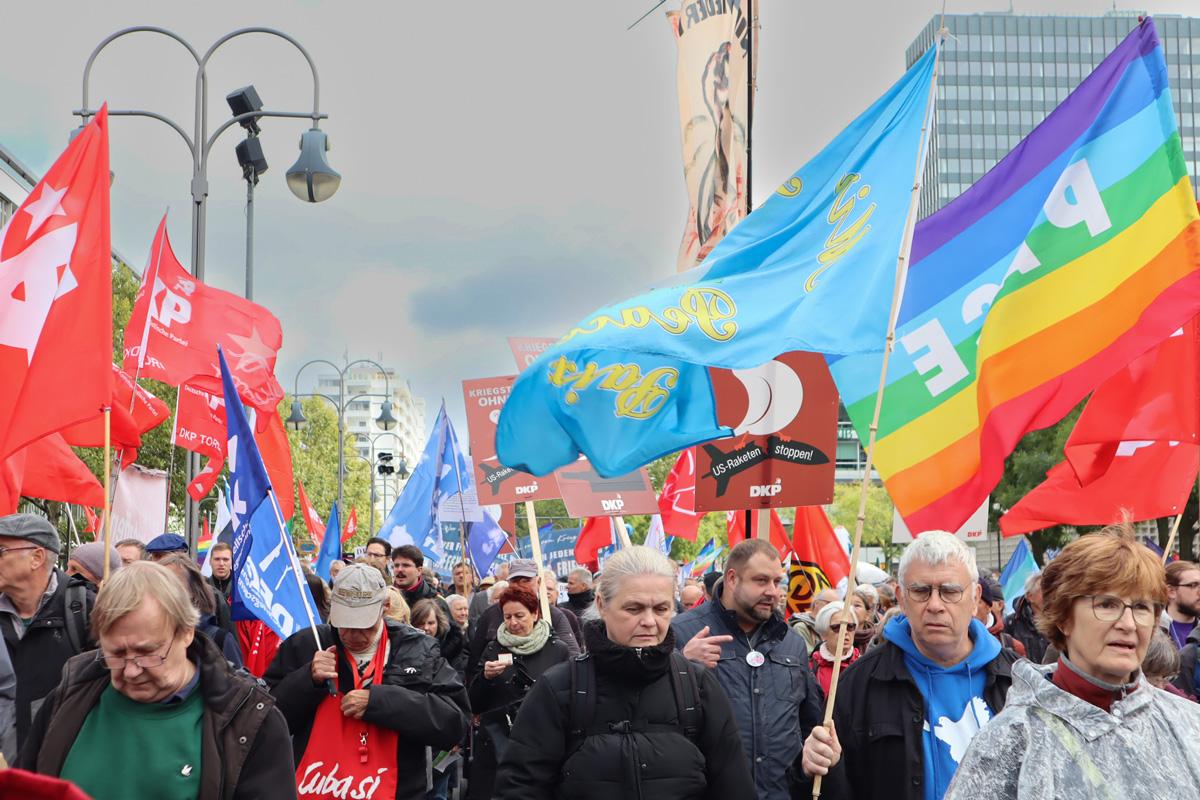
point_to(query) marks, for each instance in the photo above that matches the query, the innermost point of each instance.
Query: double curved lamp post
(310, 178)
(296, 420)
(381, 463)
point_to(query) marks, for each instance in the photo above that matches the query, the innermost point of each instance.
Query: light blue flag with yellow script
(812, 269)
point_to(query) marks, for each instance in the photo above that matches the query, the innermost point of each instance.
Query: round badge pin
(755, 658)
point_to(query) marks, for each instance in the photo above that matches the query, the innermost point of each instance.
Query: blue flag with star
(433, 492)
(265, 565)
(813, 268)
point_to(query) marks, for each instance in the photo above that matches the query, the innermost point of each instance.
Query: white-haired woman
(632, 718)
(828, 623)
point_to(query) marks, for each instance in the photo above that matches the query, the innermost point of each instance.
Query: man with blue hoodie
(907, 710)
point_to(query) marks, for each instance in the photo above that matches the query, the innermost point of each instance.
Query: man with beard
(760, 662)
(1183, 600)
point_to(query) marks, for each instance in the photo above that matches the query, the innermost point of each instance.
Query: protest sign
(484, 397)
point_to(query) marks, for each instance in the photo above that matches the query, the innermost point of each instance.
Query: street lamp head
(385, 419)
(311, 178)
(296, 420)
(243, 101)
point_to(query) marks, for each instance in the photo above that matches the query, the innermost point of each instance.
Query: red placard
(785, 416)
(526, 349)
(586, 494)
(494, 482)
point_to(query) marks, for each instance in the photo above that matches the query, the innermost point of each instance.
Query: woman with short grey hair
(633, 715)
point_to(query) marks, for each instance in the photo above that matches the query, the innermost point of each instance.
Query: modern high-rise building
(1002, 73)
(16, 181)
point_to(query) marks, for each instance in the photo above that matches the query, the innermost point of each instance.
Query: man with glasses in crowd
(1183, 601)
(907, 710)
(43, 611)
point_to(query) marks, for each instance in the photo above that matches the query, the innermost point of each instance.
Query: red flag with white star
(351, 525)
(177, 323)
(56, 297)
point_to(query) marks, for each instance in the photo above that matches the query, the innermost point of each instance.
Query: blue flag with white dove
(812, 269)
(266, 583)
(440, 488)
(485, 539)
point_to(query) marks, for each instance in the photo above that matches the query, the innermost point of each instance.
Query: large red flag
(817, 546)
(735, 528)
(277, 458)
(351, 525)
(56, 297)
(597, 532)
(312, 520)
(47, 469)
(93, 520)
(177, 323)
(200, 428)
(1134, 450)
(677, 503)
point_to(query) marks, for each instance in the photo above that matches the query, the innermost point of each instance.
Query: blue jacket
(775, 705)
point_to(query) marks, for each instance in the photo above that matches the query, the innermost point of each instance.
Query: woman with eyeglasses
(1090, 726)
(828, 623)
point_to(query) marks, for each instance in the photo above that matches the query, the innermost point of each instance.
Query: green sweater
(127, 749)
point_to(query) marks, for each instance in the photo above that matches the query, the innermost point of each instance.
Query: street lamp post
(400, 469)
(385, 420)
(310, 178)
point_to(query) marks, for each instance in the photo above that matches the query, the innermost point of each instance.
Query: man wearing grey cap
(521, 572)
(43, 611)
(389, 675)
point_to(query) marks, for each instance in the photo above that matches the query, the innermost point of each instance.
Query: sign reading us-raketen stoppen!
(494, 482)
(784, 416)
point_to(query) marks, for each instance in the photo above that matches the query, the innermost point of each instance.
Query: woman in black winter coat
(632, 718)
(524, 648)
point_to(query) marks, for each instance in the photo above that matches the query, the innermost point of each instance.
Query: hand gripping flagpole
(897, 294)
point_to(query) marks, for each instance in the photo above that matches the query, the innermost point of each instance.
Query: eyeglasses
(6, 550)
(850, 626)
(1194, 585)
(949, 592)
(1110, 609)
(143, 662)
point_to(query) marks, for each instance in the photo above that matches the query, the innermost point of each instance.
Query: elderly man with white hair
(907, 710)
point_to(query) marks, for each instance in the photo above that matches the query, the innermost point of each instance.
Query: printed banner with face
(714, 74)
(496, 483)
(783, 453)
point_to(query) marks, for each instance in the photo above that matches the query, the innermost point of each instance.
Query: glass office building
(1002, 74)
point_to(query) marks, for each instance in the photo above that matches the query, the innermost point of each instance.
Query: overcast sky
(507, 167)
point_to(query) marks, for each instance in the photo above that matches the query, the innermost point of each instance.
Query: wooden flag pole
(897, 293)
(622, 537)
(107, 526)
(1175, 526)
(536, 541)
(762, 528)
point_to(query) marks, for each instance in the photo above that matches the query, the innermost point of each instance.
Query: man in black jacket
(407, 561)
(579, 592)
(42, 610)
(420, 696)
(907, 710)
(1022, 623)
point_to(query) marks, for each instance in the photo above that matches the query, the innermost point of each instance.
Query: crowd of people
(126, 674)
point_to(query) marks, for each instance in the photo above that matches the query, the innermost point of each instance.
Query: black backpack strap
(582, 702)
(687, 695)
(76, 617)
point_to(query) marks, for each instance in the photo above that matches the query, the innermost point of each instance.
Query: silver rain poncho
(1048, 744)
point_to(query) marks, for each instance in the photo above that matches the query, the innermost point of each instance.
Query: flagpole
(107, 481)
(149, 280)
(462, 525)
(897, 294)
(763, 524)
(536, 541)
(171, 456)
(621, 534)
(295, 562)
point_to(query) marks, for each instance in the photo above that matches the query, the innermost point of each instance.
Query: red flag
(735, 528)
(312, 520)
(135, 411)
(1134, 449)
(47, 469)
(177, 323)
(277, 458)
(200, 428)
(597, 532)
(677, 503)
(93, 520)
(351, 525)
(816, 545)
(56, 297)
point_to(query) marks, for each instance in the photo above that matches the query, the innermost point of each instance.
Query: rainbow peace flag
(1075, 254)
(706, 559)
